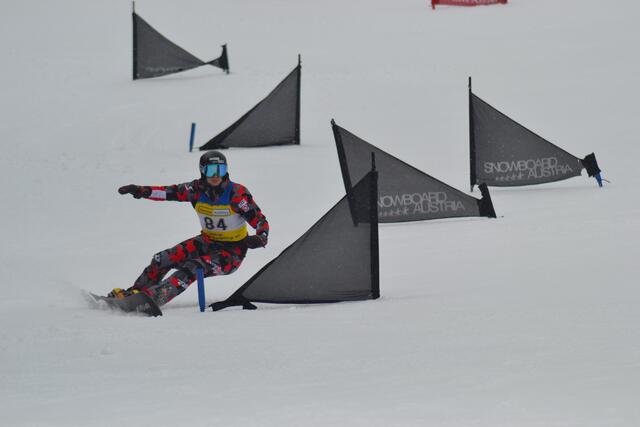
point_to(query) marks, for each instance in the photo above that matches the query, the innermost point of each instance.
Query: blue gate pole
(599, 179)
(201, 290)
(193, 134)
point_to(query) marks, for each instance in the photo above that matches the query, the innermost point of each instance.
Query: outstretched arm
(186, 192)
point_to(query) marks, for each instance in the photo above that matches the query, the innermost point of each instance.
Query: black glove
(135, 190)
(254, 242)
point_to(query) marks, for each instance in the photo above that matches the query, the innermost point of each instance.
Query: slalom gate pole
(201, 300)
(192, 137)
(598, 178)
(135, 41)
(472, 142)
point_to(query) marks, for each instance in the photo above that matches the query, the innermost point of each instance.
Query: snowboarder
(224, 209)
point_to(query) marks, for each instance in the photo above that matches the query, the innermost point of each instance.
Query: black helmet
(214, 158)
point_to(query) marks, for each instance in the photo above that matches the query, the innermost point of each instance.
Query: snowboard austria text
(417, 203)
(516, 170)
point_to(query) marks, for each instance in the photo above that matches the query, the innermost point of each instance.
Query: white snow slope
(530, 319)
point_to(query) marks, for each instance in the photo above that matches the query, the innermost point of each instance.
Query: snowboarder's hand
(135, 190)
(254, 242)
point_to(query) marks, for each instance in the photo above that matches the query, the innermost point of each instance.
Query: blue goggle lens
(215, 170)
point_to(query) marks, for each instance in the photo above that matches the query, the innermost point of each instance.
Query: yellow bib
(219, 221)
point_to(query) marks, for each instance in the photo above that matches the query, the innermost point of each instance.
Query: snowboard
(136, 303)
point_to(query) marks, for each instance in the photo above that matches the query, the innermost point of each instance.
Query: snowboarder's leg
(219, 262)
(186, 273)
(165, 260)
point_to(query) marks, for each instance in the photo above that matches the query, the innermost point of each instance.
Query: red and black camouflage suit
(219, 249)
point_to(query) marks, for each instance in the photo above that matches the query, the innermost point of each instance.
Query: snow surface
(527, 320)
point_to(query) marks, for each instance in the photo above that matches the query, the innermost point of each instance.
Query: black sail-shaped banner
(335, 260)
(154, 55)
(404, 192)
(503, 153)
(273, 121)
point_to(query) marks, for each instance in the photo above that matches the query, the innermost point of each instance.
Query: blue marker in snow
(193, 135)
(599, 179)
(201, 289)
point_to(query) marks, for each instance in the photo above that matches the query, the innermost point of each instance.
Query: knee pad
(161, 259)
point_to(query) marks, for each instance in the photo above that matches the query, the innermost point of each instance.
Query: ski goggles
(215, 169)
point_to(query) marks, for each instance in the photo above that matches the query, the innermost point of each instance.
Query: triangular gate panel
(404, 192)
(274, 121)
(466, 2)
(335, 260)
(154, 55)
(506, 154)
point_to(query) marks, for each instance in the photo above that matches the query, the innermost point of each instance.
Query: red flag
(466, 2)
